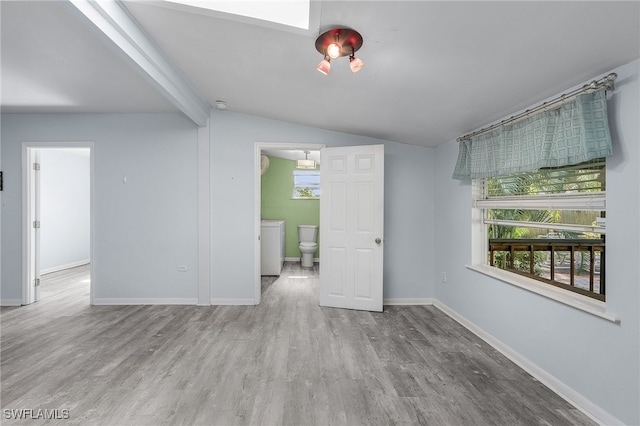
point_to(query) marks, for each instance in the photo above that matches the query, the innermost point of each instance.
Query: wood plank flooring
(284, 362)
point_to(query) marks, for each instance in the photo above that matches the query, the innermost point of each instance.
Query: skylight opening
(294, 13)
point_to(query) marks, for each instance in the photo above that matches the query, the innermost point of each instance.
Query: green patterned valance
(574, 133)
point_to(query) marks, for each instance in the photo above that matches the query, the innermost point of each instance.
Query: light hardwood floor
(286, 361)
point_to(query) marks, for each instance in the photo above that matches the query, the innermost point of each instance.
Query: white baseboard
(569, 394)
(225, 301)
(10, 302)
(63, 267)
(400, 301)
(145, 301)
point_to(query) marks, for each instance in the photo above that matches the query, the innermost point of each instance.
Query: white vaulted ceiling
(433, 70)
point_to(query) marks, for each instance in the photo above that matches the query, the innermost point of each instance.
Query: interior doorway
(57, 213)
(258, 151)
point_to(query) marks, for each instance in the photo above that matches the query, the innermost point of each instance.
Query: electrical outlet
(182, 268)
(444, 277)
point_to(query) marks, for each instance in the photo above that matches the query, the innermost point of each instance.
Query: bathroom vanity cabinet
(272, 242)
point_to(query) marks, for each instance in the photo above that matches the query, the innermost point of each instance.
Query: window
(548, 225)
(306, 184)
(294, 13)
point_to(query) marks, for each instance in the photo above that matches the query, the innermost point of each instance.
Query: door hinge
(36, 166)
(36, 282)
(36, 224)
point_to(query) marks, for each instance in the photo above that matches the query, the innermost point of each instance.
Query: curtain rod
(606, 82)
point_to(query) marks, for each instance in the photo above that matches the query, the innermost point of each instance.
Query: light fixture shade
(334, 50)
(356, 64)
(305, 164)
(324, 67)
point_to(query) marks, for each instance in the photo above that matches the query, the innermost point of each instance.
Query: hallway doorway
(57, 214)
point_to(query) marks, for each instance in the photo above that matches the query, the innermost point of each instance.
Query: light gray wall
(409, 211)
(145, 228)
(65, 199)
(597, 358)
(142, 229)
(1, 210)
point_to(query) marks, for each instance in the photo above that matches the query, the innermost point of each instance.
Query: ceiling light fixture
(306, 163)
(339, 42)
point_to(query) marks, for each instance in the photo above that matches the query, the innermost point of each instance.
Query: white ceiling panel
(433, 70)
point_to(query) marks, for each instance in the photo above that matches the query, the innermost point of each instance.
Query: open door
(351, 227)
(32, 293)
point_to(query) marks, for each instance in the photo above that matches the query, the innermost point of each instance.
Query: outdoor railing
(574, 264)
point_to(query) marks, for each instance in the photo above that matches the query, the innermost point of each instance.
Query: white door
(33, 275)
(351, 227)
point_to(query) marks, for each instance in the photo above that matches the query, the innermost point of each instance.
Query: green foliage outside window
(305, 193)
(585, 178)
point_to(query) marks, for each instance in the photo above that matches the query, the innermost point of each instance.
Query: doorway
(258, 150)
(57, 212)
(351, 224)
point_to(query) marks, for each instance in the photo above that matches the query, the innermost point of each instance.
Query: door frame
(27, 229)
(257, 198)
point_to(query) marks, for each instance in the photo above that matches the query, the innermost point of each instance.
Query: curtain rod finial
(610, 85)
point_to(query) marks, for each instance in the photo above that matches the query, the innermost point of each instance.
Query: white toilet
(307, 237)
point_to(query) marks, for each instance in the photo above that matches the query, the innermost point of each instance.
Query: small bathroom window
(306, 184)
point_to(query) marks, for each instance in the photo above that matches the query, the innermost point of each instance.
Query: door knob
(378, 240)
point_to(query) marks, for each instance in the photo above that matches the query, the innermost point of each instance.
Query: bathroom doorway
(289, 151)
(57, 215)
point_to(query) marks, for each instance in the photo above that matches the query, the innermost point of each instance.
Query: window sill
(304, 198)
(583, 303)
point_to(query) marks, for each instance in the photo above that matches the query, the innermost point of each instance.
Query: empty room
(320, 212)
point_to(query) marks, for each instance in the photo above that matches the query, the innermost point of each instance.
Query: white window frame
(479, 260)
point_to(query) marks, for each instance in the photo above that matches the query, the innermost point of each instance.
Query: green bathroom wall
(278, 203)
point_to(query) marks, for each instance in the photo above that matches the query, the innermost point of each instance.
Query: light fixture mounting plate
(351, 40)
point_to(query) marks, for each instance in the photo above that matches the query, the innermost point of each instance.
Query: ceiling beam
(112, 19)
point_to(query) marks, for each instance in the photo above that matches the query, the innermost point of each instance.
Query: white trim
(204, 216)
(548, 225)
(63, 267)
(409, 301)
(146, 301)
(10, 302)
(583, 201)
(257, 195)
(27, 247)
(232, 301)
(583, 303)
(569, 394)
(479, 243)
